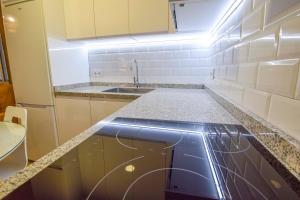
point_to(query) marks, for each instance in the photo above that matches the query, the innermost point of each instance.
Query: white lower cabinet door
(73, 117)
(41, 128)
(102, 108)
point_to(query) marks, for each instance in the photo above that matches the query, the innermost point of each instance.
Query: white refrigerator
(28, 56)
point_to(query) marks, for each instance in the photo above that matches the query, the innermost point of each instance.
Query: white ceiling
(200, 15)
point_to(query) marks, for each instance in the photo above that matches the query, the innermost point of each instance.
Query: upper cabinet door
(111, 17)
(79, 16)
(148, 16)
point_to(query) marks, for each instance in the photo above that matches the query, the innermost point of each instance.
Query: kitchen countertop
(94, 92)
(86, 89)
(179, 105)
(194, 105)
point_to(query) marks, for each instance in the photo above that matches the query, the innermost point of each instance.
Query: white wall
(69, 66)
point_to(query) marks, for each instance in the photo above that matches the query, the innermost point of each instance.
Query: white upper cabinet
(111, 17)
(148, 16)
(79, 17)
(102, 18)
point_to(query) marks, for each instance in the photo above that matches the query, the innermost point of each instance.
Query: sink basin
(129, 90)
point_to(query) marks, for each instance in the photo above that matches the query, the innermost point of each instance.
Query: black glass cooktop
(140, 159)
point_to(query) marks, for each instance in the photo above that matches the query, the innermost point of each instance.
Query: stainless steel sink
(129, 90)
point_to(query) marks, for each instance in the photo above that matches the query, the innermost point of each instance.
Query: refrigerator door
(27, 50)
(41, 133)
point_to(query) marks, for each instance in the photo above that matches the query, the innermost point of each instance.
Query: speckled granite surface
(95, 89)
(103, 84)
(283, 147)
(169, 104)
(92, 92)
(177, 104)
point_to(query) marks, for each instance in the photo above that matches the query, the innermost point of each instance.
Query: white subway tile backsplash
(192, 62)
(169, 47)
(263, 48)
(217, 71)
(285, 114)
(200, 53)
(232, 72)
(257, 102)
(247, 74)
(125, 49)
(217, 47)
(267, 81)
(140, 49)
(233, 91)
(258, 3)
(98, 51)
(278, 77)
(253, 23)
(235, 35)
(223, 71)
(182, 54)
(241, 52)
(186, 63)
(237, 93)
(290, 39)
(297, 95)
(246, 8)
(213, 60)
(220, 59)
(113, 50)
(224, 42)
(157, 64)
(165, 54)
(228, 56)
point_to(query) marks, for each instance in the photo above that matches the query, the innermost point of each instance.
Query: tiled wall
(175, 63)
(256, 61)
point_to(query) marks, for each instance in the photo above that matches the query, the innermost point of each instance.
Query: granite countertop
(93, 92)
(194, 105)
(85, 89)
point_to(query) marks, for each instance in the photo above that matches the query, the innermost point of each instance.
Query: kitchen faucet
(136, 76)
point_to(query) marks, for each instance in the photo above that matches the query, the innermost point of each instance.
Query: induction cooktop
(165, 160)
